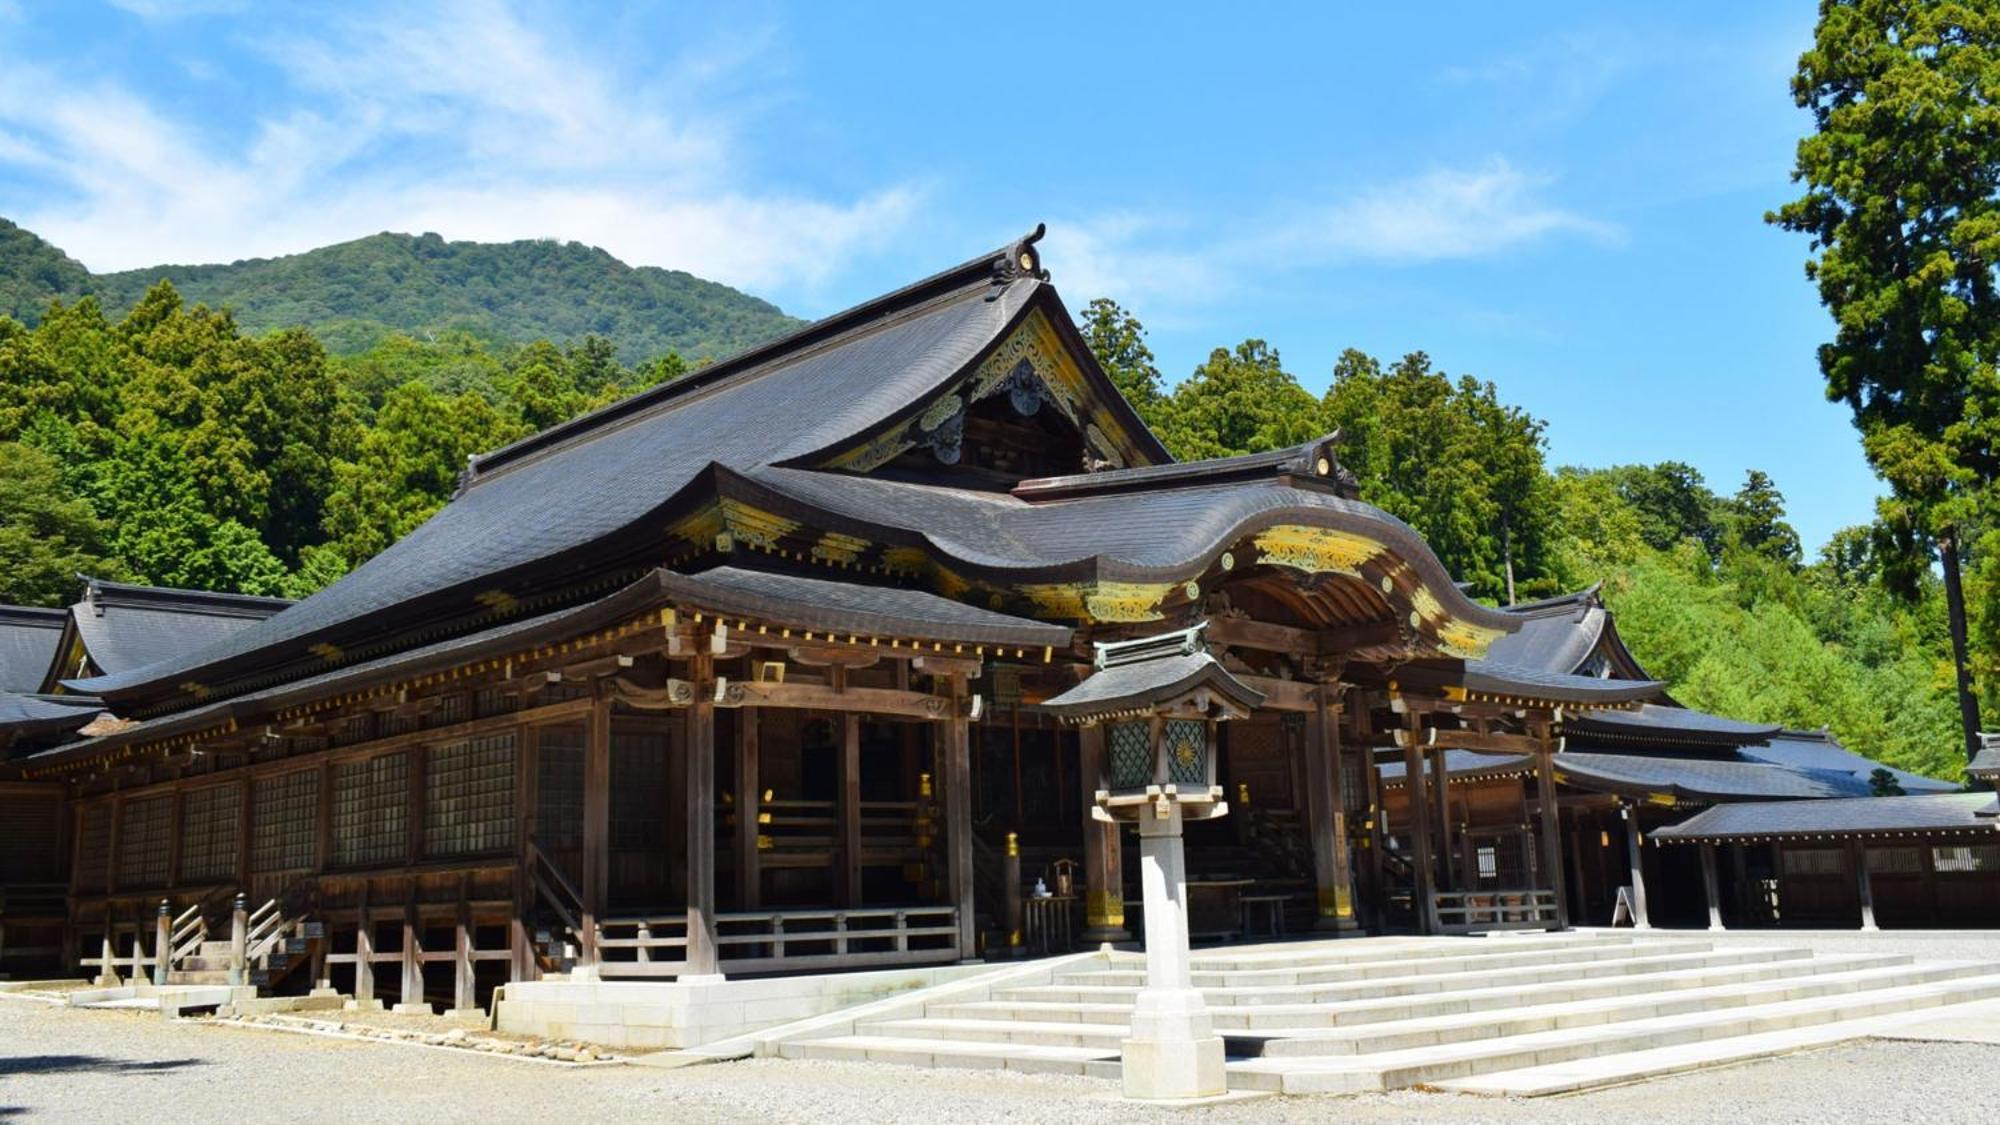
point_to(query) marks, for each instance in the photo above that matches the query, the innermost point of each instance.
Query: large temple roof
(1700, 780)
(1660, 724)
(1818, 750)
(29, 637)
(815, 603)
(768, 451)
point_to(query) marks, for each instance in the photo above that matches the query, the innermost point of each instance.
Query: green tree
(1241, 401)
(48, 536)
(1118, 341)
(1902, 203)
(1758, 519)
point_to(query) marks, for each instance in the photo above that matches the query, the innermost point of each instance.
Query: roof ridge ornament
(1019, 260)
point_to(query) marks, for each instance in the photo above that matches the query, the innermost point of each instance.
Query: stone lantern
(1159, 700)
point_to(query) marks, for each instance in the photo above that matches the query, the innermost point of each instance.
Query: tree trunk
(1954, 600)
(1507, 551)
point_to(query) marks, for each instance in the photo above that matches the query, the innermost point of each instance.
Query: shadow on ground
(11, 1065)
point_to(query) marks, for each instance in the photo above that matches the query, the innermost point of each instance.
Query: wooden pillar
(1441, 793)
(848, 811)
(1327, 807)
(1858, 854)
(1103, 861)
(1708, 885)
(1361, 728)
(955, 762)
(364, 953)
(413, 958)
(596, 827)
(698, 755)
(465, 989)
(749, 804)
(1424, 898)
(1641, 920)
(1545, 783)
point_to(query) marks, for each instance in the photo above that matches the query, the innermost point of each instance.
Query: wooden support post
(955, 762)
(1103, 860)
(1371, 773)
(596, 829)
(163, 941)
(239, 941)
(1327, 807)
(1641, 920)
(1858, 853)
(1708, 885)
(413, 959)
(1011, 872)
(1424, 897)
(848, 812)
(1545, 786)
(749, 804)
(1441, 793)
(465, 989)
(698, 753)
(364, 956)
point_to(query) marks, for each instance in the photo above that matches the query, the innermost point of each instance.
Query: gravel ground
(67, 1065)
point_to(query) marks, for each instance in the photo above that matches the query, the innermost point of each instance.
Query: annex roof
(849, 608)
(1700, 780)
(1986, 763)
(122, 628)
(1818, 750)
(1653, 722)
(1852, 817)
(29, 638)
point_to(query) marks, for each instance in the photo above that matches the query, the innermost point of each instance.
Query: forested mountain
(354, 294)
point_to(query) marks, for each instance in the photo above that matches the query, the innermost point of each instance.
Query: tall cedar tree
(1900, 200)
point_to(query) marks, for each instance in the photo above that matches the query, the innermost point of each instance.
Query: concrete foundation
(665, 1015)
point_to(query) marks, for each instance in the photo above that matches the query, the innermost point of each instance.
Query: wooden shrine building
(745, 674)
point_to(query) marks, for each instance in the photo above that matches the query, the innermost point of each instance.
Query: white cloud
(463, 119)
(1442, 215)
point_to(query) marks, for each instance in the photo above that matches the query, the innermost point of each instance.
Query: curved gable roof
(29, 639)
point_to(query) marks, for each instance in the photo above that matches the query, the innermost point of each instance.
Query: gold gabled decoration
(1105, 602)
(1036, 343)
(754, 526)
(1320, 550)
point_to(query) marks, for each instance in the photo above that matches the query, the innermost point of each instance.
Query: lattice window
(284, 820)
(1896, 861)
(1489, 861)
(399, 722)
(354, 729)
(559, 787)
(563, 692)
(1815, 861)
(489, 701)
(1187, 751)
(638, 789)
(1128, 749)
(142, 842)
(469, 796)
(371, 811)
(209, 821)
(93, 853)
(1354, 780)
(453, 708)
(1966, 859)
(306, 744)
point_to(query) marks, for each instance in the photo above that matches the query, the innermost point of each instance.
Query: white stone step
(1533, 1017)
(1411, 985)
(1045, 1033)
(1308, 952)
(1028, 1057)
(1383, 1009)
(1472, 954)
(1439, 1064)
(1658, 1062)
(1042, 1010)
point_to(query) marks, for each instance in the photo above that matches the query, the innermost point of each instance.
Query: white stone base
(414, 1010)
(1174, 1052)
(664, 1015)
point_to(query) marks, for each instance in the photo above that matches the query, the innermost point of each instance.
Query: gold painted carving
(835, 547)
(1316, 550)
(755, 526)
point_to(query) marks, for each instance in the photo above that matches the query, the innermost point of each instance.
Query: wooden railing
(1461, 912)
(783, 940)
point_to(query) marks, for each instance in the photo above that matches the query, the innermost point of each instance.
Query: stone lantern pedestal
(1174, 1051)
(1158, 700)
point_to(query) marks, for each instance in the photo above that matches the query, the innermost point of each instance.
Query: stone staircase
(1505, 1014)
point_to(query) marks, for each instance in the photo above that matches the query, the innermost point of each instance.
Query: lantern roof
(1140, 677)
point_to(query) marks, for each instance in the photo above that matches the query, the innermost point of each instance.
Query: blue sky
(1566, 200)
